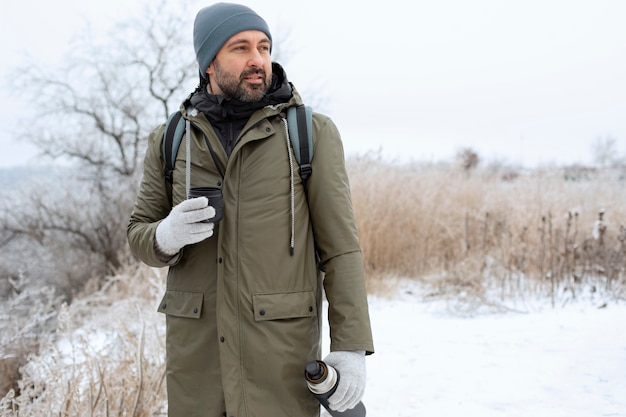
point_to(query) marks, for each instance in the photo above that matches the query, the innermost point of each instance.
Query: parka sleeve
(337, 243)
(152, 204)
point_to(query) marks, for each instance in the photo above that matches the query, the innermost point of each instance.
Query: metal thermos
(322, 380)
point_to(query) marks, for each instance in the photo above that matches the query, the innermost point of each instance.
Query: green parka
(242, 312)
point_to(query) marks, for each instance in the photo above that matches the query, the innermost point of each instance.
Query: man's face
(242, 69)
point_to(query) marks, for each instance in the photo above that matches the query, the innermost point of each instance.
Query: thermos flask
(322, 380)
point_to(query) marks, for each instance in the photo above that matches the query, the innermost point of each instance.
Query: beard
(237, 88)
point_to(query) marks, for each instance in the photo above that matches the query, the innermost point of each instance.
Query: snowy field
(569, 361)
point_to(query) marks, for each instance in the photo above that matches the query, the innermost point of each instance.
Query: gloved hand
(182, 226)
(352, 377)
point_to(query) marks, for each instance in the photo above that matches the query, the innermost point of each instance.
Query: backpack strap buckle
(305, 171)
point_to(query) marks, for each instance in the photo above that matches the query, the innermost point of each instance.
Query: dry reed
(538, 232)
(107, 358)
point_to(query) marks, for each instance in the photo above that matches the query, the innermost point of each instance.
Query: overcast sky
(532, 81)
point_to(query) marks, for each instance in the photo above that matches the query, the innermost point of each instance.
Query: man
(244, 294)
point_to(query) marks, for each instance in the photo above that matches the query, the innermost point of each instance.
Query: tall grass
(106, 359)
(27, 314)
(538, 232)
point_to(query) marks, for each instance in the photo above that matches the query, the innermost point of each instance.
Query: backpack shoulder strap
(174, 129)
(299, 122)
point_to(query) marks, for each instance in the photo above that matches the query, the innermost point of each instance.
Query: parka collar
(218, 109)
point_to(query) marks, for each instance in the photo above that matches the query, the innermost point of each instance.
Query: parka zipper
(231, 146)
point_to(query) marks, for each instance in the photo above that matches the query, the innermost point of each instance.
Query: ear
(210, 76)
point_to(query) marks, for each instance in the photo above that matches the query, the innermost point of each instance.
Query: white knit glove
(182, 226)
(352, 376)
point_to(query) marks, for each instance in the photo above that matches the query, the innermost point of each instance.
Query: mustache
(253, 71)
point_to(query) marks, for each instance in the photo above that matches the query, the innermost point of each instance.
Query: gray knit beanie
(215, 24)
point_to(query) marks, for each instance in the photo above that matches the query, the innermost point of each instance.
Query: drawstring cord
(188, 159)
(292, 243)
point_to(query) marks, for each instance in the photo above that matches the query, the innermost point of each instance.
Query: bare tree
(468, 159)
(98, 109)
(94, 115)
(604, 152)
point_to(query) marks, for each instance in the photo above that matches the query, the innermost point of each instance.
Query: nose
(256, 59)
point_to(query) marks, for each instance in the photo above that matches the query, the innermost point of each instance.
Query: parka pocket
(290, 305)
(185, 304)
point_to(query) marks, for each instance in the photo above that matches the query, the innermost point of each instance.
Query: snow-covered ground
(567, 361)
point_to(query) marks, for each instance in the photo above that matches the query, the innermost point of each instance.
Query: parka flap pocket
(182, 304)
(288, 305)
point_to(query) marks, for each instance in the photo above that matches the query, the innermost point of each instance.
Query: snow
(431, 360)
